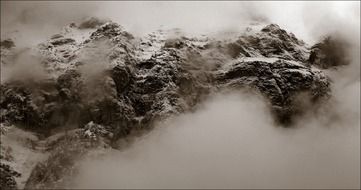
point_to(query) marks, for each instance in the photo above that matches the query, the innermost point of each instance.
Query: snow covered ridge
(98, 79)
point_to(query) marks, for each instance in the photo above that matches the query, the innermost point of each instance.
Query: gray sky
(308, 20)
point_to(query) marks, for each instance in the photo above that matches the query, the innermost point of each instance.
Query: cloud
(32, 22)
(231, 143)
(308, 20)
(24, 66)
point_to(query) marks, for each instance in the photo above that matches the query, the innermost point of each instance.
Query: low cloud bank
(231, 143)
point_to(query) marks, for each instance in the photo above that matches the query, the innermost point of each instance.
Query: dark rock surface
(7, 177)
(8, 43)
(280, 81)
(331, 52)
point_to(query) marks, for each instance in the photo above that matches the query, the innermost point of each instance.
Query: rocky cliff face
(103, 85)
(330, 52)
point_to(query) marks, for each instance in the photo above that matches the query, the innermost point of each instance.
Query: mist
(231, 142)
(307, 20)
(25, 66)
(31, 22)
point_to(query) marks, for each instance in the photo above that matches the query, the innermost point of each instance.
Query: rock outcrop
(331, 52)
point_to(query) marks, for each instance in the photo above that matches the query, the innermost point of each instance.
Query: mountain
(96, 86)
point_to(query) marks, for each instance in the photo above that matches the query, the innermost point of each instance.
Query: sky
(308, 20)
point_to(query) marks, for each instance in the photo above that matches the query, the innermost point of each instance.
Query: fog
(31, 22)
(307, 20)
(231, 143)
(25, 66)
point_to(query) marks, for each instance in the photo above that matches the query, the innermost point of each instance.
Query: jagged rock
(6, 52)
(174, 43)
(122, 77)
(110, 30)
(164, 86)
(176, 74)
(69, 85)
(330, 52)
(18, 107)
(93, 131)
(56, 36)
(62, 41)
(8, 43)
(92, 22)
(60, 167)
(280, 81)
(271, 41)
(7, 177)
